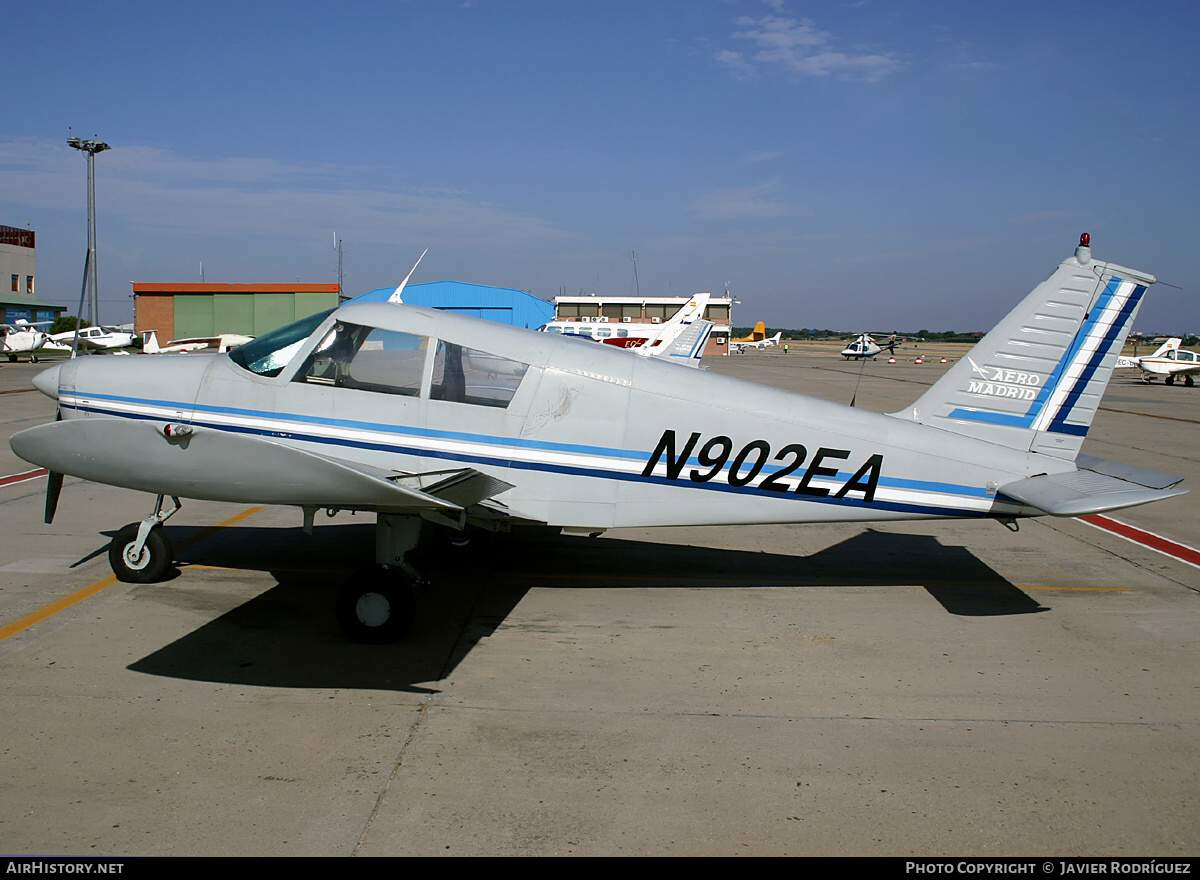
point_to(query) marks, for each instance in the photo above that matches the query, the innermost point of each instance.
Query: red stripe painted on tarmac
(20, 478)
(1166, 546)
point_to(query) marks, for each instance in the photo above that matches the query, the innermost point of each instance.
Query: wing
(216, 465)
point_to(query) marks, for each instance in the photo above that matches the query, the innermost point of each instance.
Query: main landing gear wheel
(148, 566)
(376, 606)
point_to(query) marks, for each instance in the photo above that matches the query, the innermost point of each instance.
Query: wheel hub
(373, 609)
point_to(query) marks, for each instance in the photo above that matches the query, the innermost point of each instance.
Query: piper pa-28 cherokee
(423, 416)
(95, 338)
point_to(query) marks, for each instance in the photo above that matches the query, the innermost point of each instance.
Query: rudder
(1035, 381)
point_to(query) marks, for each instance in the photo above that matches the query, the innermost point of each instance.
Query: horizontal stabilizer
(1098, 486)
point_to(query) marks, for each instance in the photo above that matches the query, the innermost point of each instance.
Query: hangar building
(502, 304)
(183, 311)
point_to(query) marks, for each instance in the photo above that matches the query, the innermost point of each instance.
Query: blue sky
(881, 165)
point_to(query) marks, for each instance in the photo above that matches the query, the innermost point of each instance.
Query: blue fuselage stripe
(282, 432)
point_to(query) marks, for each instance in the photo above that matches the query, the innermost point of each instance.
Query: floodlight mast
(91, 147)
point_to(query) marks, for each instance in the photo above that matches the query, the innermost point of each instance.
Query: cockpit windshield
(270, 353)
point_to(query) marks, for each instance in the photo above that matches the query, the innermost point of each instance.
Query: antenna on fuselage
(396, 294)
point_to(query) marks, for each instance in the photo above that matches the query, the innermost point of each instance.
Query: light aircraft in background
(218, 344)
(94, 338)
(680, 338)
(1169, 362)
(865, 346)
(757, 339)
(22, 337)
(428, 418)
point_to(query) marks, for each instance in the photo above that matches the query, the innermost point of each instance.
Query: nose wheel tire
(147, 567)
(376, 606)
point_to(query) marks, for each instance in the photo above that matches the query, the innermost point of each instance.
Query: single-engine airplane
(22, 337)
(1170, 362)
(428, 417)
(865, 346)
(218, 344)
(95, 338)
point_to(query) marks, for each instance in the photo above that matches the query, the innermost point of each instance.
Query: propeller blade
(53, 489)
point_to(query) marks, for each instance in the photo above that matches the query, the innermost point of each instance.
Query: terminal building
(647, 310)
(18, 271)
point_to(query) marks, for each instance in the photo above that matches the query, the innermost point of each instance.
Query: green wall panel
(272, 310)
(193, 316)
(233, 313)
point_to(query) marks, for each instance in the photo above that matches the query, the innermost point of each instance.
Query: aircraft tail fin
(688, 313)
(150, 342)
(1035, 381)
(688, 346)
(1171, 344)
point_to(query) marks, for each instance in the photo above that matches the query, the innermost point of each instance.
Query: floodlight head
(92, 146)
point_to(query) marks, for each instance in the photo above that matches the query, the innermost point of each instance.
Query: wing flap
(462, 487)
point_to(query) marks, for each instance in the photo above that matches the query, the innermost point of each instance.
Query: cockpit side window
(466, 375)
(368, 359)
(270, 353)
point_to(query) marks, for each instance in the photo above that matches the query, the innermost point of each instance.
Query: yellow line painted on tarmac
(87, 592)
(55, 607)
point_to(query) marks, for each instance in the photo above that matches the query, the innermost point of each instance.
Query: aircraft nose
(47, 381)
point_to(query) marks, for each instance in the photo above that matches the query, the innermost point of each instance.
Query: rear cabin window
(466, 375)
(367, 359)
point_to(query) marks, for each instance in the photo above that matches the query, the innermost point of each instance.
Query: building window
(15, 281)
(29, 284)
(623, 310)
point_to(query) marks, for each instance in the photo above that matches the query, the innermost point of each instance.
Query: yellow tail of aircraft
(758, 334)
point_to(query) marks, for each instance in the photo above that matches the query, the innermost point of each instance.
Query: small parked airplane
(98, 338)
(866, 347)
(218, 344)
(681, 337)
(20, 337)
(1169, 361)
(757, 339)
(427, 417)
